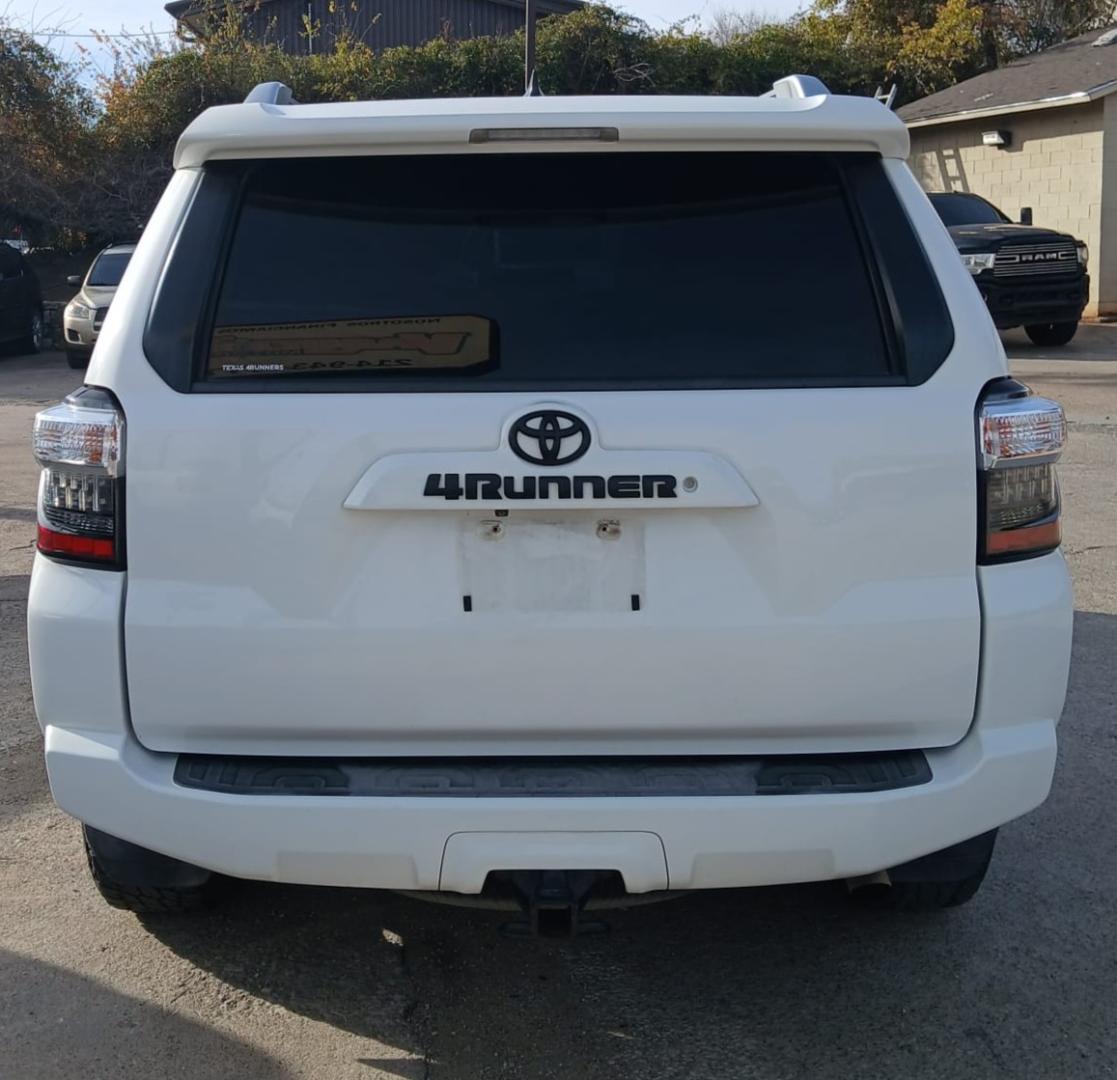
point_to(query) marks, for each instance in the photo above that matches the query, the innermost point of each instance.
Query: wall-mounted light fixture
(996, 138)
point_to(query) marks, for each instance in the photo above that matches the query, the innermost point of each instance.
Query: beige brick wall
(1054, 165)
(1104, 266)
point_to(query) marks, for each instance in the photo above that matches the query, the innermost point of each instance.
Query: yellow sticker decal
(438, 341)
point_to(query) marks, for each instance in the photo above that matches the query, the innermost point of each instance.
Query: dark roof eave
(1069, 73)
(958, 116)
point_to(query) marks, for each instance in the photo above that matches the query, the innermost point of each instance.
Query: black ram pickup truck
(1028, 276)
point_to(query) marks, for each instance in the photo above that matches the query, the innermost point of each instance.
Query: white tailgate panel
(838, 611)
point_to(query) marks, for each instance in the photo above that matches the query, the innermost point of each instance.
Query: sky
(77, 18)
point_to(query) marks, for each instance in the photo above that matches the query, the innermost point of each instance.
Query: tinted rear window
(595, 268)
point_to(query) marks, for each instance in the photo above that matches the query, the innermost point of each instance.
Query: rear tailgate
(481, 456)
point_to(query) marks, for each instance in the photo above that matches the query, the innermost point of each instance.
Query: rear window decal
(432, 342)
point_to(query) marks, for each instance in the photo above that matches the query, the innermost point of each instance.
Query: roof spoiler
(802, 86)
(270, 93)
(790, 86)
(797, 86)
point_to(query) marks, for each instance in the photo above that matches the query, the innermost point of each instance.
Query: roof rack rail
(270, 93)
(797, 86)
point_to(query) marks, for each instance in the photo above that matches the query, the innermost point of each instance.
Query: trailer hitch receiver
(553, 902)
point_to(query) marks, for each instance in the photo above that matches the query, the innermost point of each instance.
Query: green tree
(933, 56)
(919, 45)
(45, 128)
(1012, 28)
(76, 164)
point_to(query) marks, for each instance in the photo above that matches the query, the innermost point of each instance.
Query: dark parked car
(1030, 277)
(21, 302)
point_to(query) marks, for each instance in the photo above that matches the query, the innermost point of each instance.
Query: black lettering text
(624, 487)
(561, 484)
(451, 489)
(482, 485)
(596, 486)
(658, 487)
(527, 487)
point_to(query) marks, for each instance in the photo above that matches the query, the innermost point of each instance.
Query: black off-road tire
(154, 896)
(944, 879)
(932, 895)
(78, 361)
(33, 342)
(1058, 333)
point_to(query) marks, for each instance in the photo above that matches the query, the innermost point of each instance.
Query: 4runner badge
(549, 437)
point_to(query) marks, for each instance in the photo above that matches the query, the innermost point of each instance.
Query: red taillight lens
(1025, 540)
(1020, 437)
(79, 547)
(80, 445)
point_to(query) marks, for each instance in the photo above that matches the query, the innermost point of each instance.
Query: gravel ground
(771, 983)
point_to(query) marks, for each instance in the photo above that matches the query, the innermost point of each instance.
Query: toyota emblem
(549, 437)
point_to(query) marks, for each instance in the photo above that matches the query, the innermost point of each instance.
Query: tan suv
(82, 319)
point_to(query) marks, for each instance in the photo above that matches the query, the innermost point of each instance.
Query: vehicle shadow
(328, 954)
(792, 981)
(765, 983)
(1094, 341)
(82, 1028)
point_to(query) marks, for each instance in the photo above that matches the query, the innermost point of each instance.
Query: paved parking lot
(775, 983)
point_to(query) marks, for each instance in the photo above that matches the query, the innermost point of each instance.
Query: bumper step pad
(806, 774)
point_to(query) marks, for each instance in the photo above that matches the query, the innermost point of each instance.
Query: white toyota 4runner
(548, 499)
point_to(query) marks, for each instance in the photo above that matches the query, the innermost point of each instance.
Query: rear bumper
(1022, 303)
(101, 775)
(428, 843)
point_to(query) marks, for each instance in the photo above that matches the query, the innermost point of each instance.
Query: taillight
(80, 445)
(1020, 437)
